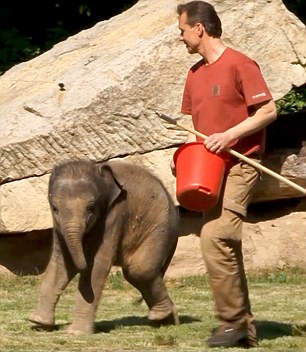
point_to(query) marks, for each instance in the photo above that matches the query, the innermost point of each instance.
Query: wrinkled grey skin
(107, 214)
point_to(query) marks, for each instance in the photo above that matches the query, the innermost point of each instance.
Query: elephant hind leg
(159, 316)
(155, 294)
(169, 258)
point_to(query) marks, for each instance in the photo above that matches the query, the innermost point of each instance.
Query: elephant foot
(41, 318)
(80, 329)
(158, 317)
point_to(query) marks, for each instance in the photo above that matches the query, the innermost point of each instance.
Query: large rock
(290, 164)
(112, 74)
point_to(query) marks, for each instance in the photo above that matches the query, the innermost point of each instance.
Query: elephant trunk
(74, 243)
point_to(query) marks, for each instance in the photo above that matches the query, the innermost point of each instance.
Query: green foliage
(29, 28)
(15, 49)
(292, 102)
(85, 10)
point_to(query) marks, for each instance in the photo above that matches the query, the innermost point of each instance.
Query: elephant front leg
(90, 288)
(54, 281)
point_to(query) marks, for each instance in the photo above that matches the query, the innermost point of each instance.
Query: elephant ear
(112, 188)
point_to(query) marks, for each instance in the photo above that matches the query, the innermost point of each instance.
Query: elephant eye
(54, 209)
(90, 208)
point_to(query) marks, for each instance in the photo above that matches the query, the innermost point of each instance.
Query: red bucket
(199, 176)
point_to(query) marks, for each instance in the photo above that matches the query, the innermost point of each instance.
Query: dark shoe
(228, 336)
(248, 343)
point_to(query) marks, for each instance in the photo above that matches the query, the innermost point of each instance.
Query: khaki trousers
(221, 247)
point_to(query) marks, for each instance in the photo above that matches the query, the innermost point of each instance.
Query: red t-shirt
(221, 95)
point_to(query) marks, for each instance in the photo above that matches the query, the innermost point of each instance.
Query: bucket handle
(205, 190)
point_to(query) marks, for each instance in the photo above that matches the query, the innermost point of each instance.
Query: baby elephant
(113, 213)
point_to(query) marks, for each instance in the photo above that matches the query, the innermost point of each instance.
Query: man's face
(189, 35)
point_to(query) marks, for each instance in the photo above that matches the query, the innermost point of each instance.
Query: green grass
(278, 298)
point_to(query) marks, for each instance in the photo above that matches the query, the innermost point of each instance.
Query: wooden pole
(236, 154)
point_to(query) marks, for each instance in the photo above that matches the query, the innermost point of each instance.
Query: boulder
(91, 96)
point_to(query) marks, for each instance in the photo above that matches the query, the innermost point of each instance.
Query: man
(230, 103)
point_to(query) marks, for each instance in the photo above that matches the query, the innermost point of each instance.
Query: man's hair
(204, 13)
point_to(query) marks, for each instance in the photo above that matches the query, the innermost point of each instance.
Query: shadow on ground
(266, 330)
(270, 330)
(106, 326)
(109, 325)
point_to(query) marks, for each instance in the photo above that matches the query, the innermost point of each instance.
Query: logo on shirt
(263, 94)
(216, 90)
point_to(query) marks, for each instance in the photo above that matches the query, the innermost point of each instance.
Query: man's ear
(200, 29)
(111, 186)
